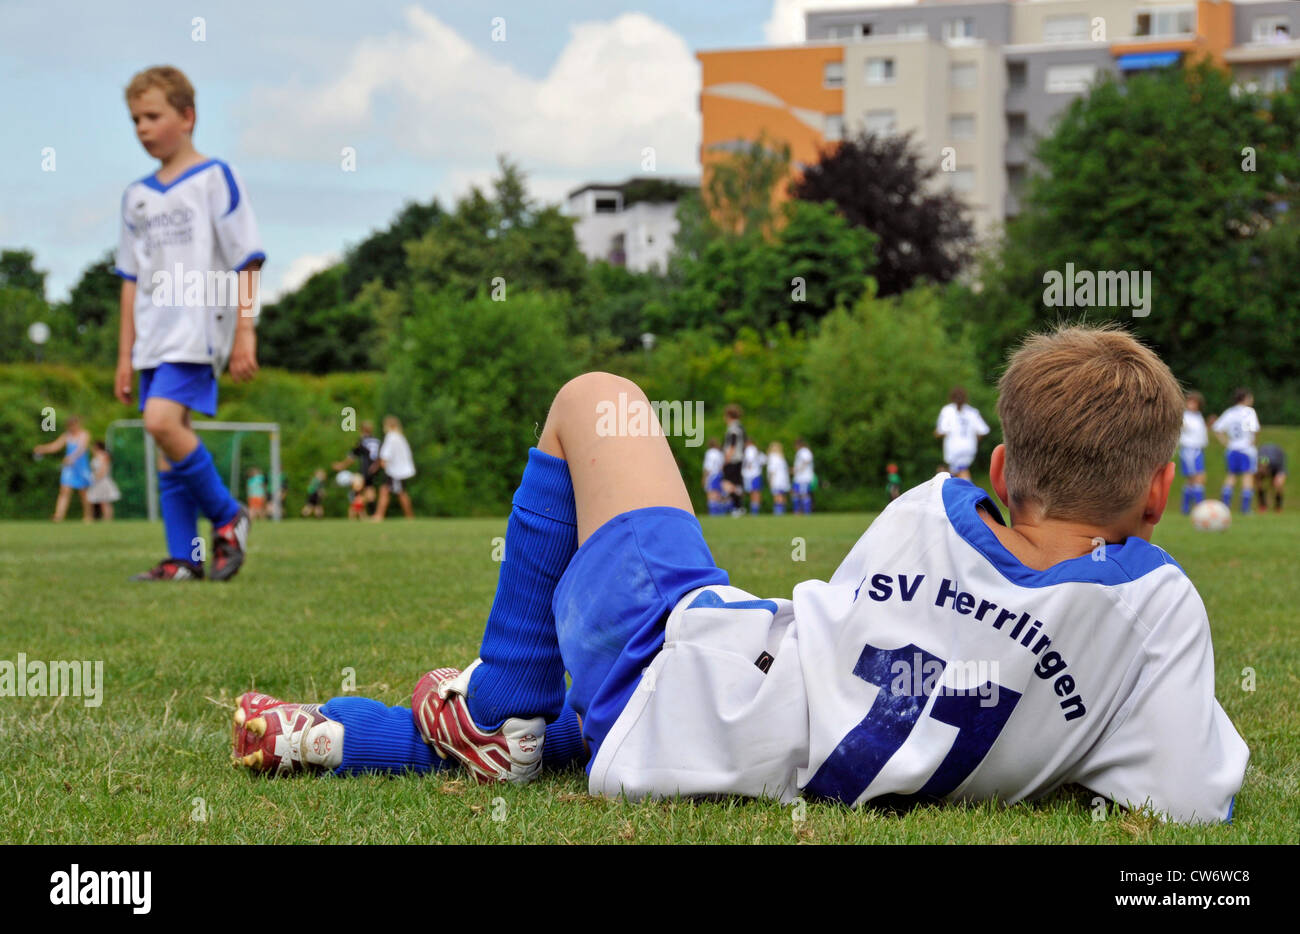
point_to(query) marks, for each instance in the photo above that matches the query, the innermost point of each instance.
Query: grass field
(151, 764)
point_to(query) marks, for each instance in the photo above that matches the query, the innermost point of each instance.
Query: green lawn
(392, 601)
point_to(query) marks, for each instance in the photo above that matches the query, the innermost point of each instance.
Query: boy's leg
(61, 504)
(382, 508)
(577, 479)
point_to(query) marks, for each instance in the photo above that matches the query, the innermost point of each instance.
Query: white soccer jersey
(1194, 433)
(961, 430)
(179, 243)
(1239, 423)
(803, 466)
(778, 473)
(713, 461)
(395, 452)
(934, 665)
(752, 464)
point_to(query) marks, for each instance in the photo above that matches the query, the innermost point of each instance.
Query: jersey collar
(1109, 565)
(151, 181)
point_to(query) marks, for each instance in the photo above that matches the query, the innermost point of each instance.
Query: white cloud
(785, 25)
(299, 271)
(617, 88)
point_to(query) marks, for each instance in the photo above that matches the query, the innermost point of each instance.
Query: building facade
(975, 83)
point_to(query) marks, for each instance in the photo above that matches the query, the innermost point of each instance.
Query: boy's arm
(49, 447)
(243, 355)
(125, 341)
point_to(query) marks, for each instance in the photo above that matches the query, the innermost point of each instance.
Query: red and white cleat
(274, 736)
(511, 753)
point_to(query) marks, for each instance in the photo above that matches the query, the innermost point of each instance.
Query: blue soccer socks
(379, 738)
(201, 479)
(522, 674)
(180, 515)
(563, 745)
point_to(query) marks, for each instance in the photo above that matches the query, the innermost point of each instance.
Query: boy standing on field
(189, 233)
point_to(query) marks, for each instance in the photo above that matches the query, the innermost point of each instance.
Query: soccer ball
(343, 478)
(1211, 516)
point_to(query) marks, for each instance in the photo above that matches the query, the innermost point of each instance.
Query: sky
(424, 94)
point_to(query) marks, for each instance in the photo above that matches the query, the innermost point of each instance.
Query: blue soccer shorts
(1192, 461)
(193, 385)
(1241, 462)
(613, 600)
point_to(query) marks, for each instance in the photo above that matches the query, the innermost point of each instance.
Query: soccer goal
(234, 447)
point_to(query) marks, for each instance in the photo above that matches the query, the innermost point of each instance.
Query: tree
(738, 191)
(875, 376)
(504, 240)
(723, 282)
(382, 255)
(471, 381)
(881, 184)
(18, 271)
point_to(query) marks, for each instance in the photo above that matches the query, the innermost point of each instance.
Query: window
(961, 126)
(834, 127)
(1072, 28)
(912, 28)
(1175, 21)
(1017, 175)
(833, 75)
(606, 205)
(961, 28)
(962, 180)
(1017, 76)
(880, 122)
(1070, 79)
(1017, 126)
(840, 32)
(880, 71)
(964, 75)
(1271, 29)
(1275, 78)
(866, 30)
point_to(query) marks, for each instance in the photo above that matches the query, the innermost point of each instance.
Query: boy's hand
(243, 356)
(122, 381)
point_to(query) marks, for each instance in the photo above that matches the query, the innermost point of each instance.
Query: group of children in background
(1261, 469)
(733, 471)
(87, 470)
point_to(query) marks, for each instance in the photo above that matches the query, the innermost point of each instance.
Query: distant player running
(193, 218)
(1236, 429)
(1270, 476)
(950, 657)
(1192, 442)
(960, 426)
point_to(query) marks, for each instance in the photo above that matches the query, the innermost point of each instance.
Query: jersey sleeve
(1251, 420)
(981, 426)
(1175, 748)
(388, 448)
(941, 424)
(124, 263)
(234, 225)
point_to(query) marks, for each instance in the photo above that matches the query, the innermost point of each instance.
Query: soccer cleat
(171, 569)
(274, 736)
(511, 753)
(229, 545)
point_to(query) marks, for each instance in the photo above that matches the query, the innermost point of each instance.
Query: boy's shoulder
(216, 175)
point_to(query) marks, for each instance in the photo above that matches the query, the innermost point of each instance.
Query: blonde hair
(775, 448)
(171, 81)
(391, 423)
(1088, 414)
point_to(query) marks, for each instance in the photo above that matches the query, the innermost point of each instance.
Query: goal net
(235, 446)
